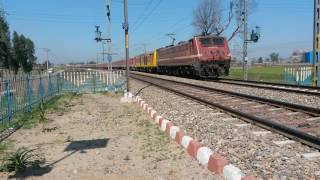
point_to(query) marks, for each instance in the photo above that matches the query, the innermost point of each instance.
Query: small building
(308, 57)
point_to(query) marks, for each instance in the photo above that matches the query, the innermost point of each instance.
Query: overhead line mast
(109, 43)
(125, 26)
(245, 39)
(316, 39)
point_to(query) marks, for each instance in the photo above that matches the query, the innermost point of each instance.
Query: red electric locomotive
(202, 56)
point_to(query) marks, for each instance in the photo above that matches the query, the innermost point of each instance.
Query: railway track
(301, 123)
(308, 90)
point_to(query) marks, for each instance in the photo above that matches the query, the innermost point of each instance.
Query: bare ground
(97, 137)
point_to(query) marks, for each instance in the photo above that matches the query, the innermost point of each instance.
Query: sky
(67, 27)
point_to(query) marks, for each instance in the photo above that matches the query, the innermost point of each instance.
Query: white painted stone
(225, 99)
(314, 119)
(203, 155)
(311, 156)
(217, 114)
(281, 143)
(229, 119)
(173, 131)
(128, 98)
(192, 103)
(230, 172)
(142, 103)
(153, 112)
(292, 113)
(243, 125)
(236, 100)
(164, 124)
(206, 109)
(149, 109)
(185, 141)
(275, 109)
(259, 106)
(247, 102)
(145, 106)
(158, 117)
(261, 133)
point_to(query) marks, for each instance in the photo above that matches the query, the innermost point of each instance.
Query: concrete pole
(245, 40)
(126, 29)
(316, 39)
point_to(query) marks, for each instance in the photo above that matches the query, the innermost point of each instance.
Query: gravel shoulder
(306, 100)
(98, 137)
(237, 140)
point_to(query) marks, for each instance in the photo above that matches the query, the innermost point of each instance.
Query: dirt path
(100, 138)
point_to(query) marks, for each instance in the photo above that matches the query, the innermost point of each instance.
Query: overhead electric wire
(147, 16)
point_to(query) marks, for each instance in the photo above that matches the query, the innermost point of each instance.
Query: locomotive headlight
(228, 56)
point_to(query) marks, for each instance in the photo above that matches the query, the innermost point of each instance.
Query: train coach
(201, 56)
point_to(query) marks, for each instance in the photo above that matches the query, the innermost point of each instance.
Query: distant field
(270, 74)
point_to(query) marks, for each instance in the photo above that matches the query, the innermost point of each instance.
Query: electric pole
(125, 26)
(108, 24)
(316, 36)
(47, 53)
(2, 11)
(46, 50)
(245, 39)
(103, 52)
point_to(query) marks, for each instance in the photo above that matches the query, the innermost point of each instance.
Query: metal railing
(93, 81)
(21, 93)
(298, 75)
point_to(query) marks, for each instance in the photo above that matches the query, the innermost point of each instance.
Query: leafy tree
(31, 58)
(4, 43)
(23, 53)
(92, 62)
(274, 57)
(260, 60)
(17, 52)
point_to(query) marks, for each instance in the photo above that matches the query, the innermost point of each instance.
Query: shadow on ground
(74, 147)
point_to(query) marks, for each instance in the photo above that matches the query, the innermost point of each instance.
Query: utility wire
(147, 16)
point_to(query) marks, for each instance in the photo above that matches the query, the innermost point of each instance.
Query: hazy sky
(67, 26)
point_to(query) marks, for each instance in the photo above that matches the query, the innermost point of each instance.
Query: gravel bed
(307, 100)
(254, 155)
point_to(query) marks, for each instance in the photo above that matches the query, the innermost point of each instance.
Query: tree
(29, 59)
(92, 62)
(4, 43)
(260, 60)
(17, 53)
(274, 57)
(208, 17)
(23, 53)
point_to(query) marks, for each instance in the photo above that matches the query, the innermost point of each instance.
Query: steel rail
(271, 83)
(301, 90)
(287, 131)
(305, 109)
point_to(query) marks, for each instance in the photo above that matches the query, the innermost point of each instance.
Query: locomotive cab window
(212, 41)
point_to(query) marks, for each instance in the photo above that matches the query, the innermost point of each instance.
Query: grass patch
(38, 115)
(5, 146)
(269, 74)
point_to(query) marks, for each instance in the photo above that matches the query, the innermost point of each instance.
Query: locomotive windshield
(212, 41)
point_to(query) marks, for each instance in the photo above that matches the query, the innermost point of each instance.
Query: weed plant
(21, 160)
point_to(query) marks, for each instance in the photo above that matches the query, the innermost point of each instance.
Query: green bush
(20, 160)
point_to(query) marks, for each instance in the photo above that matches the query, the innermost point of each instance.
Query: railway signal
(99, 35)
